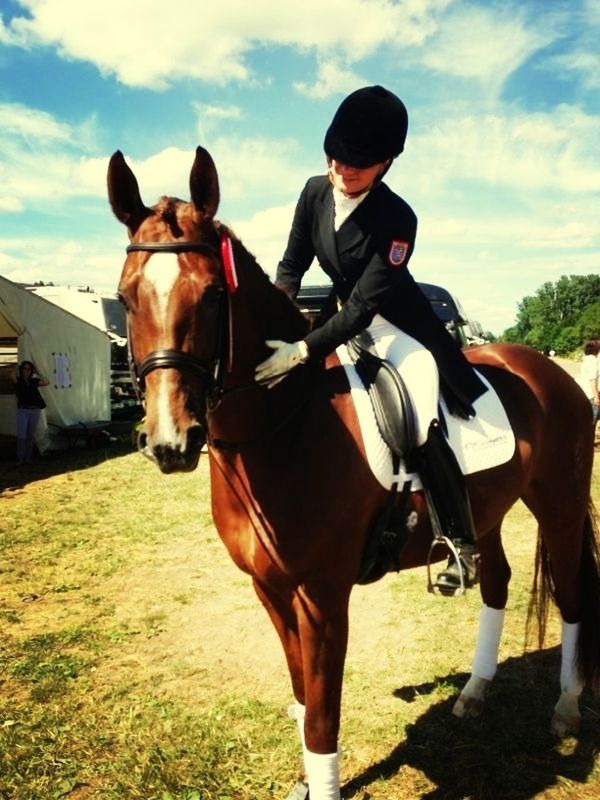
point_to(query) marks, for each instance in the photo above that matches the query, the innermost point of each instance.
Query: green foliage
(560, 316)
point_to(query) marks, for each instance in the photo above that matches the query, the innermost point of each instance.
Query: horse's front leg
(323, 628)
(495, 576)
(279, 604)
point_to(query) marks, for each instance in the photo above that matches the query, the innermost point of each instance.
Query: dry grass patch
(136, 662)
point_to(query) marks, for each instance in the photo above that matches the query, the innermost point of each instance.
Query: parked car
(311, 300)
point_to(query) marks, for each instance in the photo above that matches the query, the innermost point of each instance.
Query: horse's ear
(124, 193)
(204, 183)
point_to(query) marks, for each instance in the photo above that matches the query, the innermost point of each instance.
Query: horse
(292, 494)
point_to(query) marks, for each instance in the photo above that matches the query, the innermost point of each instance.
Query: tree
(559, 316)
(589, 323)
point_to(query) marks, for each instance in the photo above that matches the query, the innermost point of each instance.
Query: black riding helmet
(369, 127)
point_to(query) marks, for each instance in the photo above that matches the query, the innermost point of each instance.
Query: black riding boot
(445, 489)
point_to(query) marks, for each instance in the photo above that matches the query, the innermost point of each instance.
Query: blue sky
(501, 163)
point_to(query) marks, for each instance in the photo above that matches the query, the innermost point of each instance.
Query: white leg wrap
(470, 703)
(485, 660)
(567, 716)
(322, 771)
(297, 711)
(323, 775)
(569, 675)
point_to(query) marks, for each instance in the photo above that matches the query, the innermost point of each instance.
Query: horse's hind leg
(495, 576)
(561, 527)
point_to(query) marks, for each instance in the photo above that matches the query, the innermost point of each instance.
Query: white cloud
(486, 44)
(265, 234)
(210, 117)
(251, 167)
(332, 78)
(152, 45)
(256, 167)
(585, 63)
(40, 157)
(32, 124)
(547, 230)
(64, 261)
(554, 150)
(10, 205)
(31, 138)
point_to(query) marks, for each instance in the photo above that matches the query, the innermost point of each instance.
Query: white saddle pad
(481, 443)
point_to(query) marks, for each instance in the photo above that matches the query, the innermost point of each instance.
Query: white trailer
(74, 355)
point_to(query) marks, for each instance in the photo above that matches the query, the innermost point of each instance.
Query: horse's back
(551, 419)
(528, 372)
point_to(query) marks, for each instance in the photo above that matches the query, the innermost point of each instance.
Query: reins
(224, 444)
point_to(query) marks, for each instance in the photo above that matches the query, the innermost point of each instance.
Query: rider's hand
(286, 356)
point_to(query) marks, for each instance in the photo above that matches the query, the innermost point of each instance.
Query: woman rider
(363, 236)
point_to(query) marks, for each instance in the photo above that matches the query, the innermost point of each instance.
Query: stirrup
(432, 588)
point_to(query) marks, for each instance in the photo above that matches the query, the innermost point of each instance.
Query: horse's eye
(123, 302)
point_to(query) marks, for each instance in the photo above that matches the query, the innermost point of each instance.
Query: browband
(171, 247)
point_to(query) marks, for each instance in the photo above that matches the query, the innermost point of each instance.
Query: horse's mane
(283, 315)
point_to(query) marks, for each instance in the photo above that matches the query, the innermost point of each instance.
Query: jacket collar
(356, 227)
(326, 232)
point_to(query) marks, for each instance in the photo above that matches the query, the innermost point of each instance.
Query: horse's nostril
(142, 440)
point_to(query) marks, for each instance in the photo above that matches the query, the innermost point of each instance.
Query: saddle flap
(389, 397)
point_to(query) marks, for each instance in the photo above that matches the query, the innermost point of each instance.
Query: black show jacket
(366, 260)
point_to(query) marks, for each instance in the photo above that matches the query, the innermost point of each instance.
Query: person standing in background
(589, 378)
(29, 407)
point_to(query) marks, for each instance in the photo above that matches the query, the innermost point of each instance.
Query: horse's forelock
(168, 210)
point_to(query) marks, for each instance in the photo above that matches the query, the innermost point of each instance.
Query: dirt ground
(190, 630)
(205, 632)
(193, 627)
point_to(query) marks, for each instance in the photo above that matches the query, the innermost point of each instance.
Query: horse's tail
(588, 646)
(588, 651)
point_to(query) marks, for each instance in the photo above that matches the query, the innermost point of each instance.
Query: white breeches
(415, 364)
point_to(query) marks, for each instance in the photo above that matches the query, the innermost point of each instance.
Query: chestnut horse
(292, 495)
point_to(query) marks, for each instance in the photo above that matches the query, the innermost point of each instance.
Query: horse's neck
(257, 311)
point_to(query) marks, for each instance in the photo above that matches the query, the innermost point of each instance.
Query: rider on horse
(363, 235)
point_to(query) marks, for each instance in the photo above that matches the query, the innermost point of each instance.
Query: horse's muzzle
(173, 458)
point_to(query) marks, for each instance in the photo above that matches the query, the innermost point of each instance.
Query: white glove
(285, 358)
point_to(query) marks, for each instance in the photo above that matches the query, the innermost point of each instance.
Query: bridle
(211, 372)
(214, 371)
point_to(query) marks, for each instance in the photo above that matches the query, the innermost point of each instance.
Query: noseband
(177, 359)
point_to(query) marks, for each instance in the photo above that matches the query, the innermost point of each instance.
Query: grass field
(136, 663)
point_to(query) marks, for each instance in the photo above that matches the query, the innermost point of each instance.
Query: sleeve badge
(397, 254)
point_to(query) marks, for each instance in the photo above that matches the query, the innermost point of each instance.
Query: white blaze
(162, 271)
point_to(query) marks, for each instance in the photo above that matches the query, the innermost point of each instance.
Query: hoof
(299, 792)
(563, 726)
(469, 707)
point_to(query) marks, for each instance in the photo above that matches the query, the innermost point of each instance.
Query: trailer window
(8, 361)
